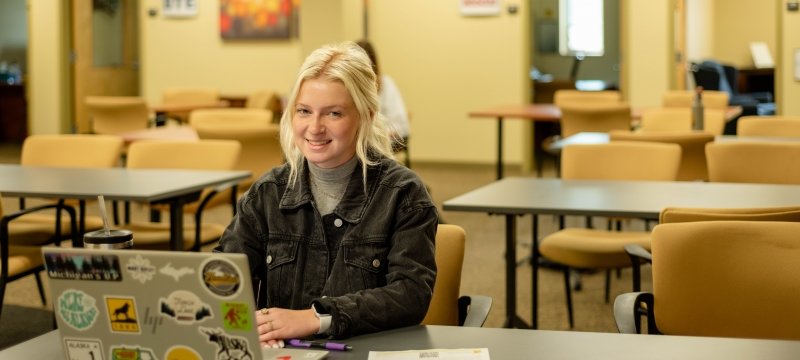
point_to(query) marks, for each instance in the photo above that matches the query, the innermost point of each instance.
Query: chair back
(252, 128)
(680, 119)
(190, 95)
(260, 99)
(621, 160)
(727, 279)
(173, 154)
(680, 214)
(773, 126)
(72, 150)
(767, 162)
(595, 117)
(443, 309)
(567, 96)
(693, 148)
(712, 99)
(117, 114)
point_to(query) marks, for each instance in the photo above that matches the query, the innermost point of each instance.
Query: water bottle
(697, 109)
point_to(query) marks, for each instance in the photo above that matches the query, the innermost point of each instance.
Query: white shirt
(393, 108)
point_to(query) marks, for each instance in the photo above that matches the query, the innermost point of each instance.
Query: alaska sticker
(234, 347)
(236, 316)
(83, 349)
(184, 307)
(77, 309)
(83, 267)
(140, 269)
(181, 353)
(221, 277)
(175, 273)
(122, 314)
(128, 352)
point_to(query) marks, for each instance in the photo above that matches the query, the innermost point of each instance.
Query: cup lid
(113, 236)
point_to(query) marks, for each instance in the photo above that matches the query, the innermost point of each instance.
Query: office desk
(634, 199)
(514, 344)
(173, 187)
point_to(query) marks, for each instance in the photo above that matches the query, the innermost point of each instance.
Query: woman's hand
(275, 325)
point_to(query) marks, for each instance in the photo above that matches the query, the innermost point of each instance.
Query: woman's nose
(316, 126)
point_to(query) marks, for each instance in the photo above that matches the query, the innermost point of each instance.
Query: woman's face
(325, 123)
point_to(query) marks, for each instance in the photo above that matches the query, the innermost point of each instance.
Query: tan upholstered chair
(117, 114)
(754, 162)
(268, 100)
(188, 95)
(693, 148)
(567, 96)
(252, 128)
(77, 151)
(772, 126)
(722, 279)
(712, 99)
(581, 248)
(680, 119)
(596, 117)
(447, 306)
(191, 155)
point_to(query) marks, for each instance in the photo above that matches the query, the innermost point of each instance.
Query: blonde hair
(348, 64)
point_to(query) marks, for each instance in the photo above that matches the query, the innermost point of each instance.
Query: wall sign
(180, 8)
(479, 7)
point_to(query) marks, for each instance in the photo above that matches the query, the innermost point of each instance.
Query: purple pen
(320, 345)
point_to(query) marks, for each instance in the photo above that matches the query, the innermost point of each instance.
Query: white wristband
(324, 321)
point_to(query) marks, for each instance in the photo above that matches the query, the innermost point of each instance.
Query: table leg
(499, 147)
(176, 224)
(535, 273)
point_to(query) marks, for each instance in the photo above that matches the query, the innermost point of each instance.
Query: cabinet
(13, 113)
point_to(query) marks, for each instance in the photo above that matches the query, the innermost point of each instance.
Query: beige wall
(646, 48)
(737, 23)
(788, 88)
(48, 75)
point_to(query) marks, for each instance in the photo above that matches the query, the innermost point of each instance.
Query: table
(183, 132)
(514, 344)
(633, 199)
(543, 115)
(161, 110)
(590, 138)
(173, 187)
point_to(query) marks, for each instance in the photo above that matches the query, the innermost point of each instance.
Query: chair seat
(22, 259)
(155, 236)
(591, 248)
(37, 229)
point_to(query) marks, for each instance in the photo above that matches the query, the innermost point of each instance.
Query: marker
(320, 345)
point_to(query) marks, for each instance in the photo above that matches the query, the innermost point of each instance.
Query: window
(581, 27)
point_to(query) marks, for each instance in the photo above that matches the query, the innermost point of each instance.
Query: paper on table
(465, 354)
(762, 59)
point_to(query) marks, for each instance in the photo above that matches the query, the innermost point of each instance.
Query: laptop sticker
(152, 321)
(83, 267)
(181, 353)
(184, 307)
(140, 269)
(131, 352)
(221, 277)
(175, 273)
(229, 347)
(236, 316)
(122, 314)
(77, 309)
(83, 349)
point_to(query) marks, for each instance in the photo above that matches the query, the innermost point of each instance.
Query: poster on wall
(479, 7)
(258, 19)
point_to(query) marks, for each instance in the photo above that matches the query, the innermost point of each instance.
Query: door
(105, 53)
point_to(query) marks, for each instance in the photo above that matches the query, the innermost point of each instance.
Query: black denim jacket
(370, 263)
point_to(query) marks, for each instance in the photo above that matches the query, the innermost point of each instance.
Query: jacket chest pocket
(282, 265)
(366, 265)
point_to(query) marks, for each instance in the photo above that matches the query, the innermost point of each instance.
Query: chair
(580, 248)
(775, 162)
(720, 278)
(268, 100)
(447, 307)
(188, 95)
(680, 119)
(693, 149)
(713, 75)
(566, 96)
(17, 262)
(117, 114)
(712, 99)
(594, 117)
(77, 151)
(252, 128)
(772, 126)
(193, 155)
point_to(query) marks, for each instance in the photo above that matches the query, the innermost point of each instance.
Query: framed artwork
(258, 19)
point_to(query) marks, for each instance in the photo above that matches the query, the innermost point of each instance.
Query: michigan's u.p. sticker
(83, 349)
(221, 277)
(235, 347)
(184, 307)
(122, 315)
(236, 316)
(83, 267)
(131, 352)
(77, 309)
(175, 273)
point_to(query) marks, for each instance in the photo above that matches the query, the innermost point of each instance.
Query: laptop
(147, 305)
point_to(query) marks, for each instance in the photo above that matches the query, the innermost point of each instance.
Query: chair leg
(608, 284)
(38, 277)
(568, 290)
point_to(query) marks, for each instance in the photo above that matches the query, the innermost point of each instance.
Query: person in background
(340, 239)
(392, 106)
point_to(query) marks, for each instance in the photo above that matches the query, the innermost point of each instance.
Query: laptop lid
(139, 304)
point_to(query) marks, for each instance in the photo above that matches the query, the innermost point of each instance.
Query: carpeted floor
(24, 317)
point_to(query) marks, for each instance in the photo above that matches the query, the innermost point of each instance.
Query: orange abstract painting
(258, 19)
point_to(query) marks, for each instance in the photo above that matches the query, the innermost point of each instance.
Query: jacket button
(337, 222)
(376, 263)
(269, 259)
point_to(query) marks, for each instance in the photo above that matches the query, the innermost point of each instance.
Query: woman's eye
(336, 114)
(303, 111)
